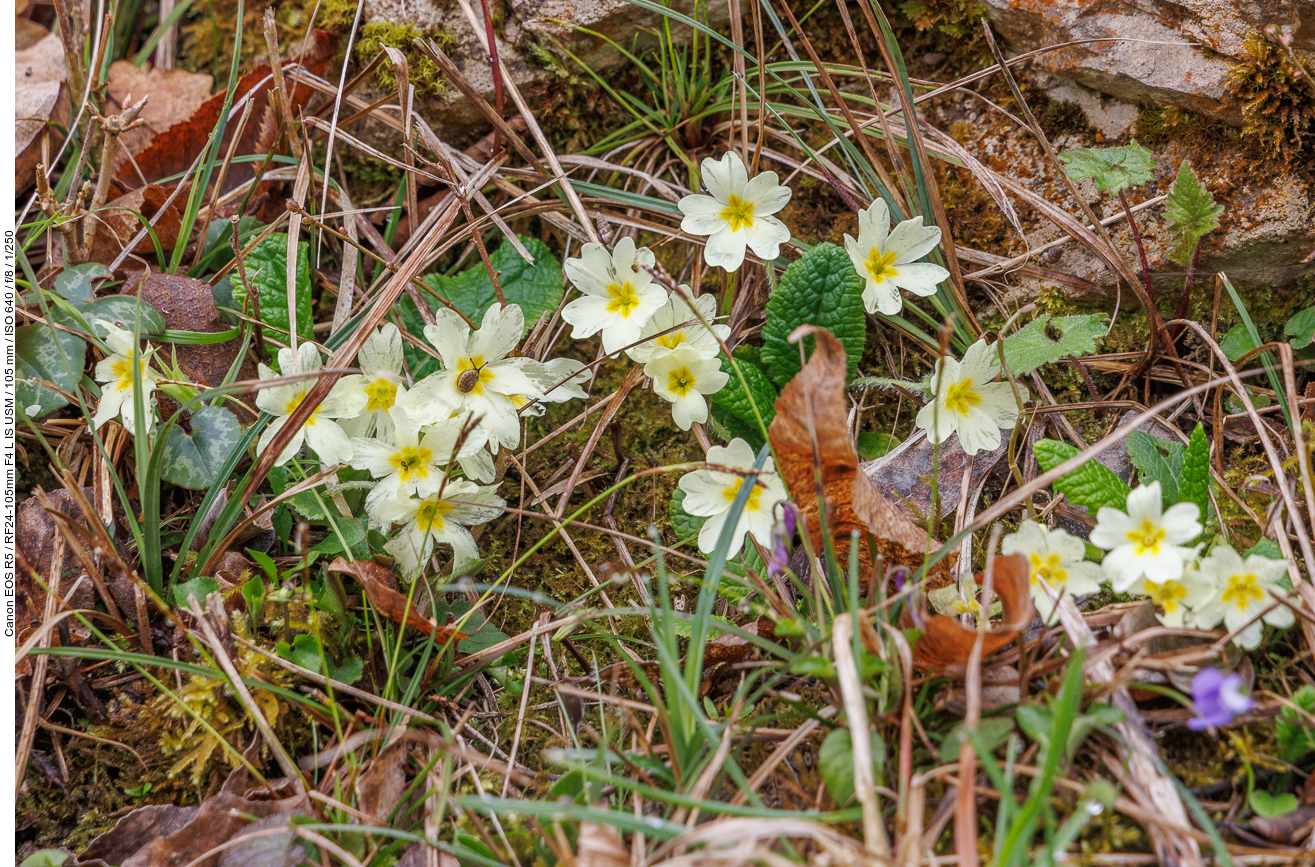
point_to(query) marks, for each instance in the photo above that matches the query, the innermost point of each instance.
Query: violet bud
(1218, 698)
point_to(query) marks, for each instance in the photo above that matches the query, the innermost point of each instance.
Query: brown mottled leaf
(811, 429)
(379, 790)
(946, 644)
(389, 602)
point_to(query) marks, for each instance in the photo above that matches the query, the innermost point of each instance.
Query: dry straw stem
(875, 841)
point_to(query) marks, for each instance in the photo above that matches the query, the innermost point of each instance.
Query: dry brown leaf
(600, 846)
(120, 217)
(1288, 829)
(946, 644)
(379, 790)
(41, 99)
(813, 408)
(174, 96)
(389, 602)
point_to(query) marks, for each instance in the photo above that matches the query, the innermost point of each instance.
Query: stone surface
(1189, 67)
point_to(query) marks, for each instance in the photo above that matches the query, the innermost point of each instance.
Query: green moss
(956, 18)
(423, 71)
(336, 16)
(1279, 109)
(1159, 124)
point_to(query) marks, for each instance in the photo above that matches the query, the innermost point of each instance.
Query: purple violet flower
(779, 560)
(1218, 698)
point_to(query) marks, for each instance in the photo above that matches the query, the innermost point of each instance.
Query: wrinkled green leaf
(1296, 737)
(308, 507)
(353, 533)
(1191, 212)
(218, 248)
(1028, 348)
(820, 289)
(731, 406)
(1113, 169)
(687, 526)
(1091, 485)
(1158, 460)
(1300, 329)
(536, 288)
(835, 762)
(267, 270)
(1265, 548)
(195, 461)
(42, 353)
(1194, 486)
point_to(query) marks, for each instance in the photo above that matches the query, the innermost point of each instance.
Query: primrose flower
(1241, 592)
(678, 311)
(684, 378)
(1176, 598)
(710, 494)
(887, 259)
(1055, 560)
(966, 401)
(738, 214)
(618, 293)
(477, 375)
(321, 431)
(117, 395)
(380, 361)
(415, 463)
(440, 518)
(1144, 542)
(1218, 698)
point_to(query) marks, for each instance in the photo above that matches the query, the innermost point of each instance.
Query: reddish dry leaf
(172, 151)
(946, 644)
(121, 218)
(389, 602)
(174, 95)
(814, 404)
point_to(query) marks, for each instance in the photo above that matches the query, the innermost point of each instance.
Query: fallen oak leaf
(946, 644)
(811, 431)
(175, 95)
(391, 604)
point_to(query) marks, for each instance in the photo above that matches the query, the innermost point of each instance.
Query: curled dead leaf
(946, 644)
(391, 604)
(811, 430)
(41, 104)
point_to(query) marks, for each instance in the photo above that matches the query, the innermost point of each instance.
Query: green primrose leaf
(45, 354)
(1296, 737)
(1237, 342)
(1191, 212)
(353, 533)
(1091, 485)
(1160, 461)
(305, 651)
(687, 526)
(1029, 347)
(537, 287)
(195, 461)
(1194, 484)
(1113, 169)
(267, 269)
(1301, 329)
(1264, 548)
(200, 587)
(731, 406)
(873, 444)
(820, 289)
(835, 761)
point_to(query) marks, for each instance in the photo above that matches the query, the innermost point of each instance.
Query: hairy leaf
(1091, 485)
(46, 354)
(732, 404)
(1194, 484)
(1296, 735)
(536, 288)
(821, 289)
(267, 269)
(1113, 169)
(195, 461)
(1028, 348)
(1191, 212)
(1158, 460)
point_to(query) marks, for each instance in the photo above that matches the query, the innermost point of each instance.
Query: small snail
(467, 381)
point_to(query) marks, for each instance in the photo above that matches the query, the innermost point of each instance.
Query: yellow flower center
(430, 515)
(881, 266)
(1147, 538)
(382, 393)
(624, 298)
(295, 402)
(471, 375)
(1047, 569)
(961, 397)
(122, 370)
(730, 492)
(680, 381)
(671, 339)
(1168, 595)
(1242, 590)
(411, 462)
(738, 213)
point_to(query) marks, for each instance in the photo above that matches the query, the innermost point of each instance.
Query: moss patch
(424, 72)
